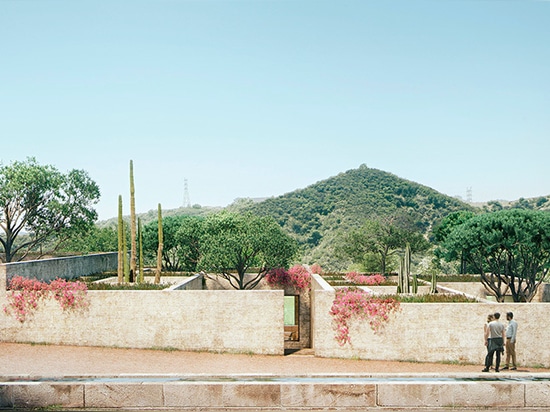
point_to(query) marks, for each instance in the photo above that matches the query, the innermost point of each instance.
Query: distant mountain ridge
(316, 214)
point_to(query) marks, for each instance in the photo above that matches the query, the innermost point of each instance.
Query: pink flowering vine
(297, 277)
(316, 268)
(25, 295)
(352, 303)
(370, 280)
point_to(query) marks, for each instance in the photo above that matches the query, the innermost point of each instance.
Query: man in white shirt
(511, 331)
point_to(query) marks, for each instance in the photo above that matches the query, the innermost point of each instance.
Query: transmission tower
(469, 195)
(186, 200)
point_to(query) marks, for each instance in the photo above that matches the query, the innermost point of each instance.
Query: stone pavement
(75, 378)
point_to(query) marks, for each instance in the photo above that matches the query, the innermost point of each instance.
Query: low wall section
(65, 268)
(224, 321)
(431, 332)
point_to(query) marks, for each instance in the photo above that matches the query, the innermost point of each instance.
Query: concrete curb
(268, 392)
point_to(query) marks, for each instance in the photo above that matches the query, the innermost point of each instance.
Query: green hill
(317, 214)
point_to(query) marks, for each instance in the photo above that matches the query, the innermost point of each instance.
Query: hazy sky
(259, 98)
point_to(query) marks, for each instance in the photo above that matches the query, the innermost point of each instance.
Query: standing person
(490, 318)
(511, 331)
(495, 335)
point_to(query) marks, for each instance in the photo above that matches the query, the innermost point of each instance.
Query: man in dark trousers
(495, 336)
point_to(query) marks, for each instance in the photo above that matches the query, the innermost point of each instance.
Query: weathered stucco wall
(448, 332)
(224, 321)
(65, 268)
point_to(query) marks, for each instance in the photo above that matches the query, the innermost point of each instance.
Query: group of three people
(497, 337)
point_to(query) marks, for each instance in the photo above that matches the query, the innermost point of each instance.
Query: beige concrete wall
(213, 282)
(450, 332)
(224, 321)
(65, 268)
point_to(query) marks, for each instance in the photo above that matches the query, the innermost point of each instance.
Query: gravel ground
(54, 361)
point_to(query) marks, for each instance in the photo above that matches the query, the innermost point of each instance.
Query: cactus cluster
(404, 273)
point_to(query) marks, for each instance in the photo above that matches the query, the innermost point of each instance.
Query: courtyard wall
(219, 321)
(64, 268)
(431, 332)
(182, 317)
(189, 318)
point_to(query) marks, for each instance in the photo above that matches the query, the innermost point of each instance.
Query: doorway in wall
(292, 318)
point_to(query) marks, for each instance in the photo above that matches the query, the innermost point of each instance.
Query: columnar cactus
(159, 251)
(120, 271)
(140, 243)
(408, 272)
(132, 225)
(403, 285)
(433, 288)
(125, 254)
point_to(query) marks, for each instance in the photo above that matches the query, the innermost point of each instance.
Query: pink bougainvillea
(317, 269)
(25, 294)
(297, 277)
(352, 303)
(370, 280)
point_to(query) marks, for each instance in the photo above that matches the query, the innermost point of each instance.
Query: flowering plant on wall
(297, 277)
(370, 280)
(25, 294)
(316, 268)
(353, 303)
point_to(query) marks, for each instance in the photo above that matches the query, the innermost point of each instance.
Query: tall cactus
(125, 254)
(133, 248)
(408, 271)
(120, 271)
(433, 288)
(140, 248)
(161, 245)
(403, 285)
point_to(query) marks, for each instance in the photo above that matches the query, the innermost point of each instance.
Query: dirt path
(52, 360)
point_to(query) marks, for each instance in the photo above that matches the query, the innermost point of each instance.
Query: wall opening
(292, 317)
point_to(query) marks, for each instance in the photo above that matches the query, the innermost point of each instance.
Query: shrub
(317, 269)
(370, 280)
(297, 277)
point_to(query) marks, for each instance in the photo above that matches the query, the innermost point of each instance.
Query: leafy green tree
(178, 231)
(97, 239)
(38, 204)
(188, 238)
(510, 250)
(234, 244)
(442, 230)
(384, 237)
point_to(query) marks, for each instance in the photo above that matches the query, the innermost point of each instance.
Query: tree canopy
(382, 238)
(234, 244)
(38, 204)
(509, 248)
(181, 241)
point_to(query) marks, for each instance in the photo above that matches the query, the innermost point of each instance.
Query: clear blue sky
(259, 98)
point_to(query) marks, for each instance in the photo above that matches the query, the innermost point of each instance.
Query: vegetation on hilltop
(317, 215)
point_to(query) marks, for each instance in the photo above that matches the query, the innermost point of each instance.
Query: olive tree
(181, 242)
(510, 249)
(381, 238)
(235, 244)
(39, 204)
